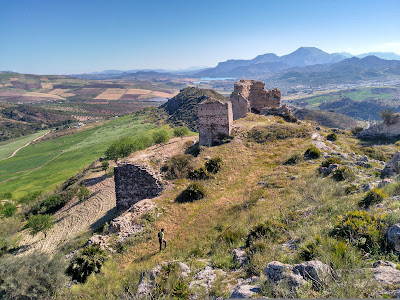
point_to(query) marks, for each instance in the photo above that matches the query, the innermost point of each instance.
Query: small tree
(84, 193)
(181, 131)
(160, 137)
(38, 223)
(388, 116)
(104, 166)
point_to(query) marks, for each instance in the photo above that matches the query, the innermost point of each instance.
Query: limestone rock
(386, 276)
(146, 282)
(384, 182)
(392, 167)
(205, 278)
(314, 270)
(240, 256)
(245, 291)
(275, 270)
(384, 263)
(393, 236)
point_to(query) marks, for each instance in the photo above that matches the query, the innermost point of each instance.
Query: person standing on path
(161, 239)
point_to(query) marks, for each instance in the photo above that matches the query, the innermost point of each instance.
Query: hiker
(161, 239)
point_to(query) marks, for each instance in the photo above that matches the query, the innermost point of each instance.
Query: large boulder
(392, 167)
(245, 291)
(386, 276)
(240, 257)
(277, 271)
(314, 270)
(393, 236)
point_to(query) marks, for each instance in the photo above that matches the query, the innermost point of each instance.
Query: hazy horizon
(49, 37)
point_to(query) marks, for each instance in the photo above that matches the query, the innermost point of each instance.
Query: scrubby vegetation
(312, 152)
(193, 192)
(374, 196)
(343, 173)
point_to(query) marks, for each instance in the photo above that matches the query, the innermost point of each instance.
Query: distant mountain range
(264, 65)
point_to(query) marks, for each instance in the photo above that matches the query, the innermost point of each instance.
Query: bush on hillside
(374, 196)
(5, 196)
(178, 166)
(360, 228)
(312, 152)
(268, 229)
(160, 136)
(181, 131)
(33, 276)
(40, 223)
(125, 146)
(199, 174)
(293, 160)
(8, 209)
(84, 193)
(192, 193)
(87, 261)
(331, 161)
(351, 189)
(332, 137)
(213, 165)
(343, 173)
(356, 130)
(262, 134)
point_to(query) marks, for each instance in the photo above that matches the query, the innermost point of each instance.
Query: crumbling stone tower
(252, 96)
(215, 119)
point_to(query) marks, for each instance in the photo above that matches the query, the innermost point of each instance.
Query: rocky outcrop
(392, 167)
(297, 275)
(393, 236)
(389, 128)
(215, 121)
(240, 257)
(252, 96)
(245, 291)
(134, 183)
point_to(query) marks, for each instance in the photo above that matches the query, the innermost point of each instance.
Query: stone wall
(134, 183)
(252, 96)
(215, 118)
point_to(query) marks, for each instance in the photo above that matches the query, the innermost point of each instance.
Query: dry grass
(42, 95)
(47, 85)
(111, 94)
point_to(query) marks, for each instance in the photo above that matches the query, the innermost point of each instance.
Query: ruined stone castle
(216, 117)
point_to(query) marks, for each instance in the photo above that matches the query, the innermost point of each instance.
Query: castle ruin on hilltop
(216, 117)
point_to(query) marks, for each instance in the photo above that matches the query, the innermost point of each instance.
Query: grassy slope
(196, 227)
(8, 147)
(45, 165)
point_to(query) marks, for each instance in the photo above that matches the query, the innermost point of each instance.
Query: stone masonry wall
(251, 95)
(134, 183)
(215, 118)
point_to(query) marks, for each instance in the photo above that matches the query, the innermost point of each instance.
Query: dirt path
(27, 144)
(76, 216)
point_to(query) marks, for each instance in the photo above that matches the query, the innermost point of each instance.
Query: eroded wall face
(215, 118)
(134, 183)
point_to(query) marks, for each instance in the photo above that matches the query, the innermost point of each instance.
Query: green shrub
(374, 196)
(192, 193)
(312, 152)
(181, 131)
(199, 174)
(30, 197)
(84, 193)
(231, 235)
(350, 189)
(360, 228)
(294, 159)
(343, 173)
(87, 261)
(178, 166)
(40, 223)
(262, 134)
(5, 196)
(104, 165)
(160, 136)
(8, 209)
(33, 276)
(356, 130)
(269, 229)
(310, 249)
(180, 289)
(332, 137)
(214, 165)
(331, 161)
(50, 204)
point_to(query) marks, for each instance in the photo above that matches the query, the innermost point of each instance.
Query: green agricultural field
(8, 147)
(44, 166)
(360, 94)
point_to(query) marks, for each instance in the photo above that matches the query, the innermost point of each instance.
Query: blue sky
(65, 37)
